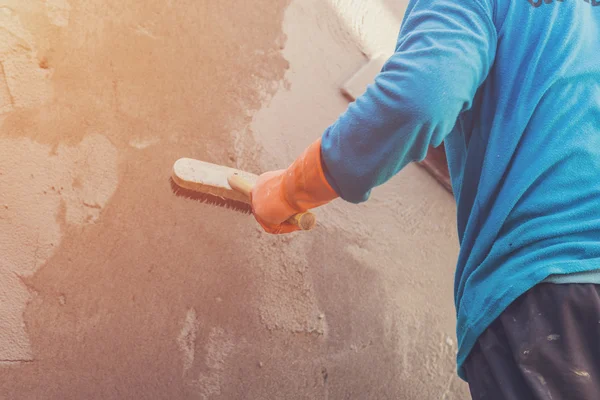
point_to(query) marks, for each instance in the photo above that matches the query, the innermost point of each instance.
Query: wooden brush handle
(305, 221)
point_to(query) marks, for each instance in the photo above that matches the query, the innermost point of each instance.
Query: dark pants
(545, 345)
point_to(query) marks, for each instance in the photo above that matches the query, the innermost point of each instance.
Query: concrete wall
(112, 288)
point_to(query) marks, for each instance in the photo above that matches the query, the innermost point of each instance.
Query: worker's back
(512, 87)
(525, 159)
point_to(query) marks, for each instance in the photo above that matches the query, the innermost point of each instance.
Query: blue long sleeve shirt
(512, 89)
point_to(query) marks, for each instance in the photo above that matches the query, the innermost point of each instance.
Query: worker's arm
(444, 53)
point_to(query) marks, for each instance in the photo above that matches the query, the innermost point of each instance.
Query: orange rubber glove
(278, 195)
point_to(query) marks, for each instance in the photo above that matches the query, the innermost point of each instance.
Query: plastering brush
(222, 186)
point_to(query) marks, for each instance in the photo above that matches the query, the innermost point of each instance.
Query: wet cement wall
(112, 288)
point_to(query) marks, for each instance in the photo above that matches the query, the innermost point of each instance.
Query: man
(512, 87)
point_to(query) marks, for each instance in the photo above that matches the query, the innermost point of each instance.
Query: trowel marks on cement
(219, 347)
(187, 339)
(38, 186)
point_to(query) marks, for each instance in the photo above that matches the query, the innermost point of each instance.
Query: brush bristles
(219, 201)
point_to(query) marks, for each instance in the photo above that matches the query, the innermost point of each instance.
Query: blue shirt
(512, 88)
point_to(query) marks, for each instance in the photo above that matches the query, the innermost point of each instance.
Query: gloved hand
(278, 195)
